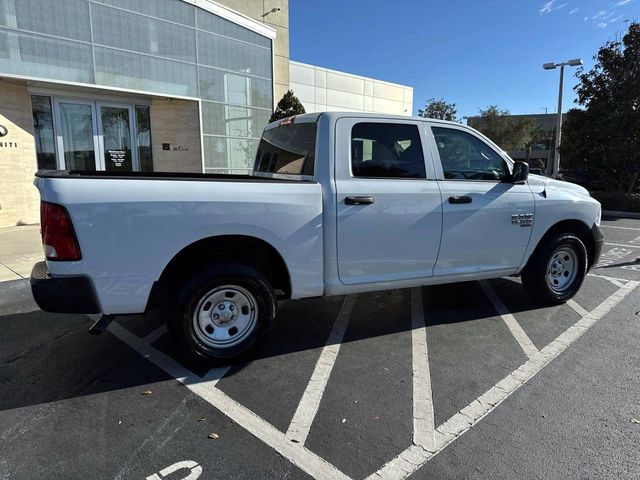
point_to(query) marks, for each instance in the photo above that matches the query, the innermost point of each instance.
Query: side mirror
(520, 172)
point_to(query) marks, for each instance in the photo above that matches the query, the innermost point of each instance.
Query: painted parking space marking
(618, 282)
(577, 308)
(156, 334)
(310, 402)
(620, 228)
(423, 413)
(622, 245)
(409, 461)
(427, 439)
(512, 324)
(206, 389)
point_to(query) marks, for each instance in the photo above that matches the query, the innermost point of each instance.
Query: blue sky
(471, 52)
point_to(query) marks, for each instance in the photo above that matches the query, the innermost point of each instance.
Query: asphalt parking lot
(459, 381)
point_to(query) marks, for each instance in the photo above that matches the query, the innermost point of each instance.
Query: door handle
(358, 200)
(460, 199)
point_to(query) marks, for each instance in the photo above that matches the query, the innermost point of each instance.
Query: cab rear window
(287, 149)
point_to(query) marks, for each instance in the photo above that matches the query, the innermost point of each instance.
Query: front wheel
(557, 270)
(222, 311)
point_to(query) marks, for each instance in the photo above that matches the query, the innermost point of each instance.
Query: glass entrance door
(76, 137)
(100, 136)
(116, 134)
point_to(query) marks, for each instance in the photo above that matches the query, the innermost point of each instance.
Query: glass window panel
(288, 149)
(214, 86)
(43, 132)
(229, 155)
(221, 52)
(242, 153)
(215, 24)
(215, 154)
(116, 134)
(143, 137)
(140, 72)
(117, 28)
(62, 18)
(76, 123)
(44, 57)
(220, 119)
(466, 157)
(386, 150)
(173, 10)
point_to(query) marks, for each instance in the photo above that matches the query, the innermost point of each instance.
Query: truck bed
(217, 177)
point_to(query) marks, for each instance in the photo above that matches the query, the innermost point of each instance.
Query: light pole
(556, 154)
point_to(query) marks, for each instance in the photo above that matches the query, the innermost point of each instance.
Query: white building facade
(321, 89)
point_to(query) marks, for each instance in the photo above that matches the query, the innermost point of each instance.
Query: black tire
(559, 286)
(196, 291)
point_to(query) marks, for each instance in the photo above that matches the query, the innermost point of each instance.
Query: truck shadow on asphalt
(50, 357)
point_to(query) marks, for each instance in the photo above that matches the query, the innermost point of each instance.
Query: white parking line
(620, 228)
(206, 389)
(414, 457)
(423, 415)
(577, 308)
(310, 402)
(514, 327)
(156, 334)
(618, 282)
(622, 245)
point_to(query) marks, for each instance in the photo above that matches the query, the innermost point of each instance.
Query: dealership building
(141, 85)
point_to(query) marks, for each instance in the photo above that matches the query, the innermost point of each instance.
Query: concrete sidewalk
(20, 248)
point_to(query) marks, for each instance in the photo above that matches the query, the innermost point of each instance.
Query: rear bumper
(598, 242)
(62, 294)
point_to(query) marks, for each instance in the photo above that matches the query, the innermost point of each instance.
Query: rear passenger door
(389, 211)
(479, 204)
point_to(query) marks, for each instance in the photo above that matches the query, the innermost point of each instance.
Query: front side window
(466, 157)
(386, 150)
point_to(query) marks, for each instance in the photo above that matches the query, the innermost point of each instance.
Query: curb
(618, 214)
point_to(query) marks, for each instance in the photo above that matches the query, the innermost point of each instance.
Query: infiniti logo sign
(3, 131)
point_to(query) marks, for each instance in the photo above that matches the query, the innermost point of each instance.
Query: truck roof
(313, 117)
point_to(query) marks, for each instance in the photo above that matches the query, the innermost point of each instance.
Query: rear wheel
(222, 311)
(557, 270)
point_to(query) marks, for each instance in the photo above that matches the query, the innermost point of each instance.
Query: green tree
(604, 138)
(503, 129)
(288, 106)
(439, 109)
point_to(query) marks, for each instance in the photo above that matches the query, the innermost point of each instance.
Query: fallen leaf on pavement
(213, 436)
(147, 392)
(201, 419)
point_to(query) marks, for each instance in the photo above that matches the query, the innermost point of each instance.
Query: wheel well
(250, 250)
(573, 226)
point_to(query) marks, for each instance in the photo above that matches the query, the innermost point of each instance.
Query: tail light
(58, 236)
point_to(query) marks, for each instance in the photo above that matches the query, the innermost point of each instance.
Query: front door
(389, 212)
(115, 138)
(95, 136)
(487, 220)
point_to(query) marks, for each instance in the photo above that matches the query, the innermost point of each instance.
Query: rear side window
(386, 150)
(287, 149)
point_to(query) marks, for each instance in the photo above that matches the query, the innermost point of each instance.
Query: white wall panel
(303, 92)
(301, 74)
(344, 83)
(338, 91)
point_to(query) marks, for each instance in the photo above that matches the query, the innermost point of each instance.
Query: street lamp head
(575, 62)
(549, 66)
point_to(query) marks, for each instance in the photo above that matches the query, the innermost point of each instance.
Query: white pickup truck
(338, 203)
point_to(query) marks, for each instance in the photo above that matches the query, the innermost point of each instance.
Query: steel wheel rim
(562, 269)
(225, 316)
